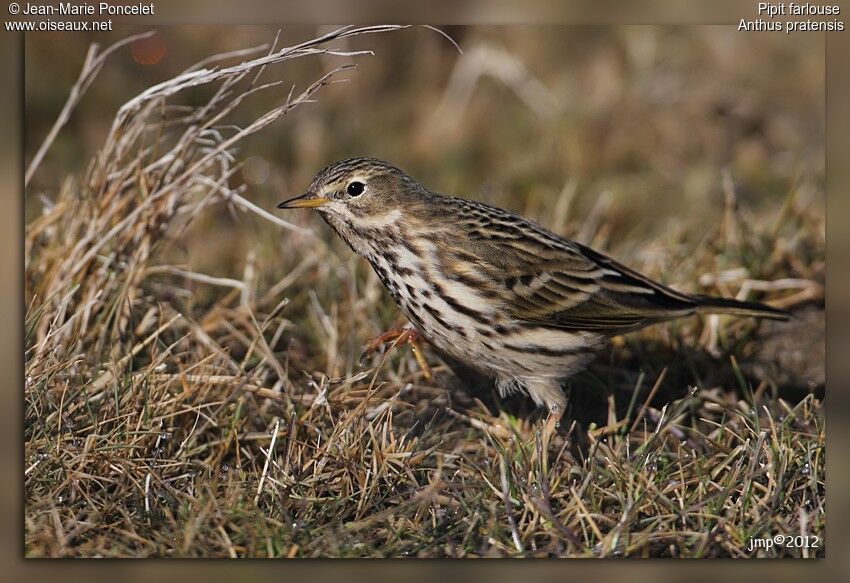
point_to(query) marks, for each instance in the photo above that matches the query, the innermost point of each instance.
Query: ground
(194, 386)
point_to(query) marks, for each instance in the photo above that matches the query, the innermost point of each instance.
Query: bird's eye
(355, 188)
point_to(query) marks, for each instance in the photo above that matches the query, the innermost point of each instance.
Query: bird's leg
(553, 421)
(396, 337)
(548, 392)
(413, 340)
(393, 335)
(550, 427)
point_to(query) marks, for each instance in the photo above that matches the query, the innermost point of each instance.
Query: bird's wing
(542, 278)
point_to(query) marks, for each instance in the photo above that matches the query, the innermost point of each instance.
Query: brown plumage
(489, 287)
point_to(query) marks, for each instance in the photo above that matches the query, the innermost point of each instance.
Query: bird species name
(775, 10)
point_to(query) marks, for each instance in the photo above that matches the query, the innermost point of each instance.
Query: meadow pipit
(491, 288)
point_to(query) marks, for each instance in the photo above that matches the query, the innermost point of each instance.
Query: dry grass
(170, 412)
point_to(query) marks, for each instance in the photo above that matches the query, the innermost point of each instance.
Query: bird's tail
(715, 305)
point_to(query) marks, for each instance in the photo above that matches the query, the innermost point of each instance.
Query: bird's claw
(396, 337)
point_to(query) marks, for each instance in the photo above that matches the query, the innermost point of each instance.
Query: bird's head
(357, 192)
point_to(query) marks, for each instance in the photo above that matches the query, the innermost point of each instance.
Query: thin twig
(506, 500)
(269, 454)
(91, 67)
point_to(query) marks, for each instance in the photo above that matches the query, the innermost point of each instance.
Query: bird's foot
(396, 337)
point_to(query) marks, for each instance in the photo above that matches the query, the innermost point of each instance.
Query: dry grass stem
(179, 407)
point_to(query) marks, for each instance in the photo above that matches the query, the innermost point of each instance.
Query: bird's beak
(306, 201)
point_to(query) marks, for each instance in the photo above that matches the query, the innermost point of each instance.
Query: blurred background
(632, 125)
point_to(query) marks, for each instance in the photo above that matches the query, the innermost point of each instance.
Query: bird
(491, 288)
